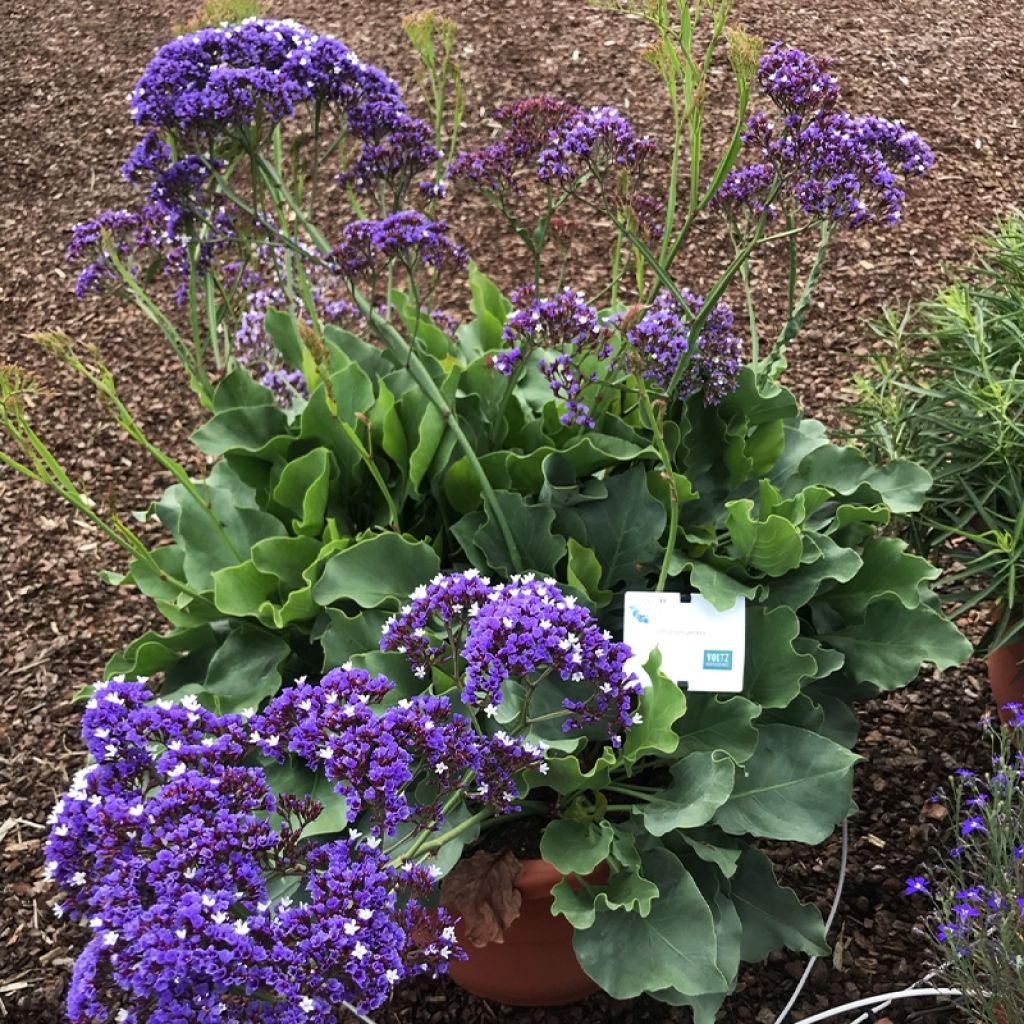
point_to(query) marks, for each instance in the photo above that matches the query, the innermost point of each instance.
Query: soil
(950, 68)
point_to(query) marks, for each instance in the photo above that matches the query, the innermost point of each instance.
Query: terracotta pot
(535, 965)
(1006, 676)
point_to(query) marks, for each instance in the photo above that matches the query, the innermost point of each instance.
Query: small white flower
(359, 951)
(392, 977)
(78, 878)
(448, 934)
(58, 910)
(248, 712)
(637, 718)
(208, 900)
(490, 710)
(220, 917)
(350, 927)
(326, 752)
(110, 938)
(306, 1005)
(190, 702)
(440, 768)
(364, 913)
(178, 769)
(242, 927)
(181, 933)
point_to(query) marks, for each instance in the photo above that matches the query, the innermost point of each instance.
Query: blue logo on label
(639, 615)
(718, 660)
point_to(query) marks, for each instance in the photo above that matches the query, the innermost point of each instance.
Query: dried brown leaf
(482, 890)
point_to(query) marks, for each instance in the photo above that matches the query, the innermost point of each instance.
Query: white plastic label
(701, 648)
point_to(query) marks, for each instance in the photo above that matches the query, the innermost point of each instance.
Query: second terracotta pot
(535, 965)
(1006, 677)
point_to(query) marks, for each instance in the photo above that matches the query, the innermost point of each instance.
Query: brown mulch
(951, 68)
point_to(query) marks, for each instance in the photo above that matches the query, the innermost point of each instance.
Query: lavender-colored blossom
(796, 82)
(917, 884)
(367, 246)
(500, 167)
(528, 628)
(129, 232)
(430, 627)
(971, 825)
(405, 151)
(595, 141)
(747, 189)
(572, 328)
(375, 758)
(661, 339)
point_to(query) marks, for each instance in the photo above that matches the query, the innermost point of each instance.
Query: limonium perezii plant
(455, 506)
(977, 893)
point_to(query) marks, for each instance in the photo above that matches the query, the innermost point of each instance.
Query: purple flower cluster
(367, 246)
(225, 78)
(165, 848)
(595, 141)
(528, 123)
(797, 82)
(567, 324)
(524, 631)
(375, 759)
(831, 164)
(661, 339)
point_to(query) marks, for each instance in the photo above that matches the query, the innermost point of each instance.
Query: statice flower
(529, 629)
(374, 757)
(430, 627)
(830, 164)
(164, 848)
(596, 142)
(502, 166)
(130, 232)
(396, 159)
(660, 339)
(409, 237)
(570, 328)
(796, 82)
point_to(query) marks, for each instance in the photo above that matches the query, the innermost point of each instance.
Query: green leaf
(892, 643)
(245, 669)
(662, 704)
(701, 783)
(718, 587)
(300, 781)
(383, 568)
(576, 847)
(674, 946)
(771, 915)
(348, 635)
(566, 776)
(540, 548)
(887, 571)
(624, 529)
(155, 652)
(796, 786)
(772, 545)
(303, 489)
(714, 723)
(823, 561)
(584, 573)
(237, 389)
(284, 333)
(901, 485)
(258, 429)
(773, 668)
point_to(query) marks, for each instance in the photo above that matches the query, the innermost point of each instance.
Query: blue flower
(917, 884)
(970, 825)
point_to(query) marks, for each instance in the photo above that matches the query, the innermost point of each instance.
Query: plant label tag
(702, 649)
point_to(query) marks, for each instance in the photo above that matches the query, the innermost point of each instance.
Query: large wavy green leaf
(382, 569)
(795, 786)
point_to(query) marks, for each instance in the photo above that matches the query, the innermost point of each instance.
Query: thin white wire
(884, 1006)
(875, 1001)
(828, 927)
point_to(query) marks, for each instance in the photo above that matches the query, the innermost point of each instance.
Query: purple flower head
(395, 159)
(796, 82)
(570, 327)
(596, 141)
(367, 246)
(971, 825)
(661, 339)
(130, 233)
(917, 884)
(429, 629)
(164, 848)
(747, 190)
(529, 629)
(501, 166)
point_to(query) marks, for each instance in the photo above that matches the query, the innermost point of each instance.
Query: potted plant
(975, 897)
(948, 393)
(361, 448)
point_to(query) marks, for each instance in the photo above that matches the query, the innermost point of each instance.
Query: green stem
(453, 833)
(670, 480)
